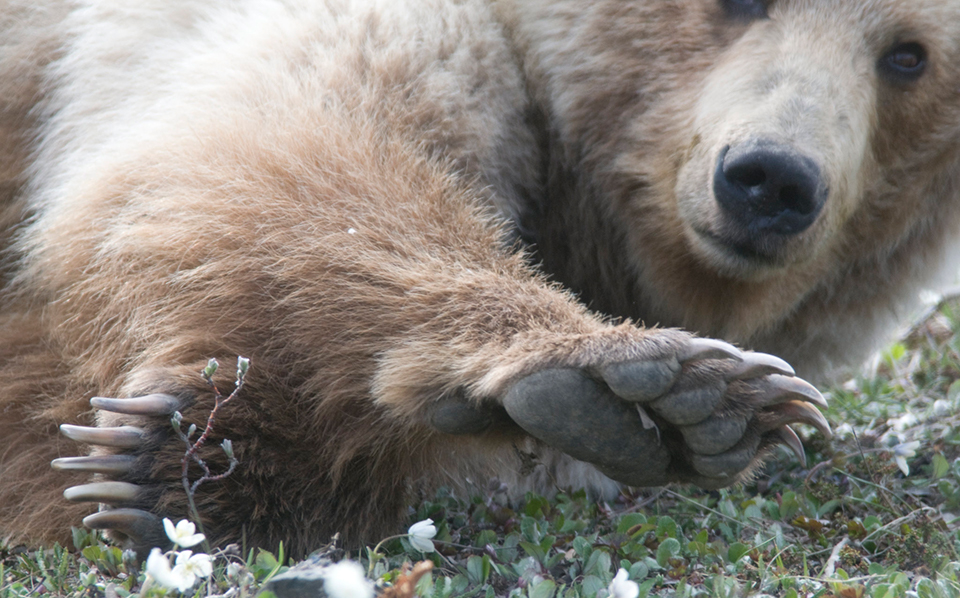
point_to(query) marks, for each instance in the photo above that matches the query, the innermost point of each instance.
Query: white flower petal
(201, 564)
(158, 567)
(170, 529)
(422, 544)
(902, 464)
(421, 534)
(423, 529)
(622, 587)
(183, 534)
(346, 579)
(907, 449)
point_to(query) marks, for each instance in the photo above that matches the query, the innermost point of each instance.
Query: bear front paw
(702, 414)
(122, 491)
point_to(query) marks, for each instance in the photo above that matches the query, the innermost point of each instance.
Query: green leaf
(265, 565)
(528, 528)
(894, 354)
(475, 570)
(828, 507)
(211, 368)
(666, 527)
(598, 564)
(91, 553)
(639, 571)
(736, 552)
(459, 584)
(547, 544)
(925, 587)
(789, 506)
(583, 547)
(668, 549)
(544, 589)
(629, 521)
(537, 506)
(534, 550)
(508, 552)
(487, 536)
(645, 588)
(592, 585)
(941, 466)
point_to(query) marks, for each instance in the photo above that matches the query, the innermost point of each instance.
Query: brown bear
(458, 239)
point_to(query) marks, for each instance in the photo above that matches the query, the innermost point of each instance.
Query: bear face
(734, 184)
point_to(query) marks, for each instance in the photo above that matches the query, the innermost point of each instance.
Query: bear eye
(904, 62)
(745, 9)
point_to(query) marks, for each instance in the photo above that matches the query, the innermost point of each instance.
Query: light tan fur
(339, 189)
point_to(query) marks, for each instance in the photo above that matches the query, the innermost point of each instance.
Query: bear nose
(769, 187)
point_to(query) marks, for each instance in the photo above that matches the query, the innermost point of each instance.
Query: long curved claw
(790, 438)
(105, 492)
(120, 437)
(143, 528)
(755, 365)
(781, 389)
(708, 348)
(796, 412)
(108, 464)
(155, 404)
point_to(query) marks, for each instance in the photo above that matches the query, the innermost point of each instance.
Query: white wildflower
(158, 567)
(421, 535)
(899, 424)
(622, 587)
(191, 566)
(904, 451)
(183, 534)
(942, 408)
(346, 580)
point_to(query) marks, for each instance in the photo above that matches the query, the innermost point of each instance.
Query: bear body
(450, 235)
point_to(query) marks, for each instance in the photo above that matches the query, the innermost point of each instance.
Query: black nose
(769, 187)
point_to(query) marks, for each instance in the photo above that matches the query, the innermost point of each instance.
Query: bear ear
(745, 10)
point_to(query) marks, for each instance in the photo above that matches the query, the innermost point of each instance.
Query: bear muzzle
(768, 193)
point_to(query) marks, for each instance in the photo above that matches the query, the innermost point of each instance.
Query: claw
(109, 464)
(106, 492)
(122, 437)
(755, 365)
(144, 528)
(790, 438)
(788, 388)
(155, 404)
(708, 348)
(797, 412)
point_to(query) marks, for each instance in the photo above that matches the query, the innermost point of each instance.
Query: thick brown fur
(341, 190)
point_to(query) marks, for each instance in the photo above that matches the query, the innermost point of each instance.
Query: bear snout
(768, 192)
